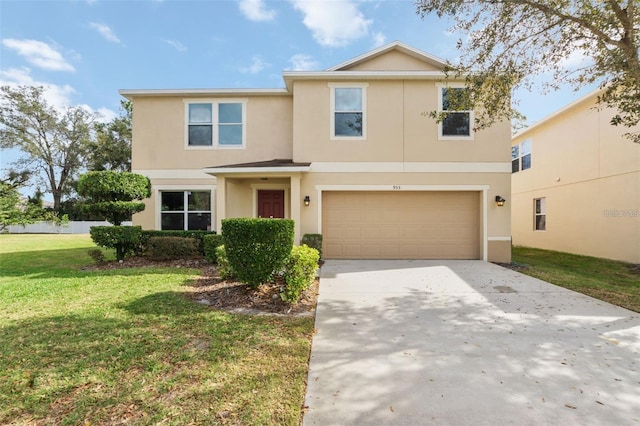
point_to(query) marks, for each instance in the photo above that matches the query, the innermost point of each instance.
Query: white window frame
(440, 87)
(214, 122)
(185, 213)
(543, 212)
(332, 108)
(521, 155)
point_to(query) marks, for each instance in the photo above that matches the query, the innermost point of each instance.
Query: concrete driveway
(467, 343)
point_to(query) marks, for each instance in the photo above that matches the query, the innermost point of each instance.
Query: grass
(127, 346)
(614, 282)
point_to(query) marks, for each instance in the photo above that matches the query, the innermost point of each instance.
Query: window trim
(159, 189)
(441, 137)
(521, 156)
(332, 110)
(543, 212)
(215, 122)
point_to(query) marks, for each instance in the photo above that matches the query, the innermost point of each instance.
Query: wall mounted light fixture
(500, 201)
(307, 200)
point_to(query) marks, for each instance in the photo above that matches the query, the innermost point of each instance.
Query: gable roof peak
(394, 45)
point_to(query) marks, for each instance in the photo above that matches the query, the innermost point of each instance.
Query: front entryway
(271, 203)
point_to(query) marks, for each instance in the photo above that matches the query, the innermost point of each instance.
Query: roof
(555, 114)
(129, 93)
(270, 166)
(342, 71)
(395, 45)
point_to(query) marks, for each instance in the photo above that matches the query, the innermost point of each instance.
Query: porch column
(221, 204)
(295, 207)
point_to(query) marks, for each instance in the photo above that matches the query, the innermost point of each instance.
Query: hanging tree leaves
(510, 42)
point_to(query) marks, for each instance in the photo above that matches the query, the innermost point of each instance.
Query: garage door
(401, 225)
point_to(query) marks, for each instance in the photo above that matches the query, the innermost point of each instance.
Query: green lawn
(608, 280)
(127, 346)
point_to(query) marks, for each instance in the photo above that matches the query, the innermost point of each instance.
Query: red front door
(271, 203)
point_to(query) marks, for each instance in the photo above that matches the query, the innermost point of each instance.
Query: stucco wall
(590, 176)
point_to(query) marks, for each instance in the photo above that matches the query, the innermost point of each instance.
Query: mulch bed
(208, 289)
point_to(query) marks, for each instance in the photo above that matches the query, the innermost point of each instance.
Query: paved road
(467, 343)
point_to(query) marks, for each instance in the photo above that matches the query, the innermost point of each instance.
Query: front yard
(126, 346)
(614, 282)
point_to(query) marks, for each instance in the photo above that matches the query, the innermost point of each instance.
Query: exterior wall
(393, 61)
(159, 131)
(590, 177)
(396, 129)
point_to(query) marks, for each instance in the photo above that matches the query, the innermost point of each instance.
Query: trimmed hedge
(211, 243)
(299, 272)
(313, 241)
(125, 239)
(114, 195)
(167, 248)
(225, 271)
(198, 235)
(257, 247)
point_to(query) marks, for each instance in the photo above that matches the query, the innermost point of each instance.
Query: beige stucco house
(576, 184)
(346, 152)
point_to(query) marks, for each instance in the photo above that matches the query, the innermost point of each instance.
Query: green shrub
(299, 272)
(114, 195)
(225, 271)
(167, 248)
(313, 241)
(197, 235)
(97, 255)
(125, 239)
(257, 247)
(211, 243)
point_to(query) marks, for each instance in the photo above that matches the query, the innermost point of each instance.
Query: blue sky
(83, 51)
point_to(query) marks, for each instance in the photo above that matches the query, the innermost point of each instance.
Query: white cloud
(57, 96)
(333, 23)
(39, 54)
(303, 62)
(176, 45)
(105, 31)
(256, 10)
(379, 39)
(256, 66)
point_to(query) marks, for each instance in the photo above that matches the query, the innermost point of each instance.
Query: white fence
(50, 228)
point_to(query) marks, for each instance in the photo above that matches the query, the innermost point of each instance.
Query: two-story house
(346, 152)
(576, 184)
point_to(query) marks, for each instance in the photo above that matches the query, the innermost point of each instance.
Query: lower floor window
(186, 210)
(540, 214)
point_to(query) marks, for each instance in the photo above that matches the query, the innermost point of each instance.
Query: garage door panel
(401, 225)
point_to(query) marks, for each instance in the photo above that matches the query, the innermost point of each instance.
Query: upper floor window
(521, 156)
(216, 124)
(457, 123)
(348, 115)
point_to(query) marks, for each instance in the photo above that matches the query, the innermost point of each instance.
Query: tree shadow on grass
(62, 263)
(76, 367)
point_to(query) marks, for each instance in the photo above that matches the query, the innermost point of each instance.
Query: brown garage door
(401, 225)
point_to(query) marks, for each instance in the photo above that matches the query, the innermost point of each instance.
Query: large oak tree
(54, 143)
(508, 43)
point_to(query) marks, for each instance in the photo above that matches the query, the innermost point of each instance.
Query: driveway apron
(466, 343)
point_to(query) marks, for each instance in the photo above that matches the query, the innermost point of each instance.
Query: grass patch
(126, 346)
(614, 282)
